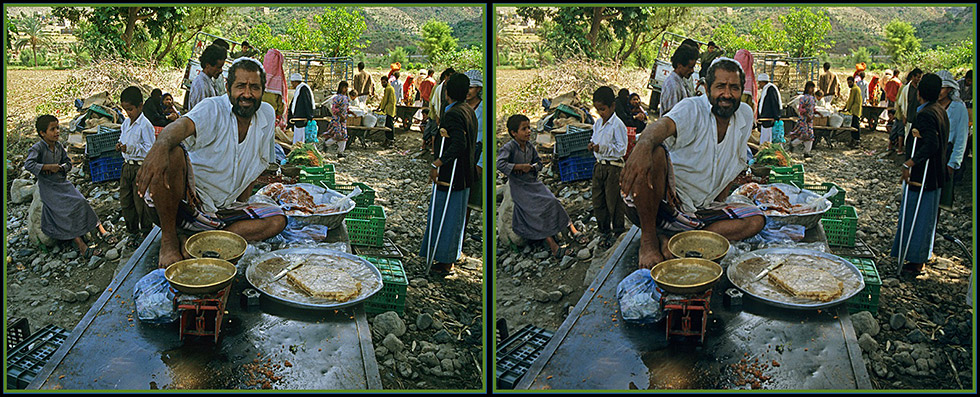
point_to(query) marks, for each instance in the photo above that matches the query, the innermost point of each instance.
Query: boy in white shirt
(136, 138)
(608, 145)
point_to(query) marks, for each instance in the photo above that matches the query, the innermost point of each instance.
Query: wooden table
(110, 349)
(594, 349)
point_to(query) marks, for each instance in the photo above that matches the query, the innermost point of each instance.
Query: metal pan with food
(795, 278)
(786, 203)
(309, 203)
(314, 278)
(686, 275)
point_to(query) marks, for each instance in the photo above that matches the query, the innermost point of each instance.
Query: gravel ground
(435, 344)
(922, 335)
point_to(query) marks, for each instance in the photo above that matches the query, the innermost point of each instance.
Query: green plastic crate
(867, 299)
(365, 199)
(840, 225)
(392, 295)
(836, 200)
(791, 175)
(366, 226)
(313, 175)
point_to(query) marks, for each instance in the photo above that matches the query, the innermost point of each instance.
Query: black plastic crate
(516, 354)
(18, 330)
(25, 361)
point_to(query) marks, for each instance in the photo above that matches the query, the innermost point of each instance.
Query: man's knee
(754, 224)
(277, 224)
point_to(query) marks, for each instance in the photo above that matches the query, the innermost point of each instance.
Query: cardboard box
(821, 121)
(354, 121)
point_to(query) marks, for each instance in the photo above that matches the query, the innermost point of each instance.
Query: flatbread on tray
(325, 282)
(807, 282)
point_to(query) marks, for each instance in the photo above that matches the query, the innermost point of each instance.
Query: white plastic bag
(155, 299)
(639, 300)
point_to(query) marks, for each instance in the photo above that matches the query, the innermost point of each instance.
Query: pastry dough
(807, 282)
(325, 282)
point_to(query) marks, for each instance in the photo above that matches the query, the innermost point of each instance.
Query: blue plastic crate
(27, 359)
(576, 168)
(97, 145)
(516, 354)
(106, 168)
(571, 142)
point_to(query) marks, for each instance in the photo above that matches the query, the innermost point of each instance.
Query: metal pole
(442, 221)
(432, 205)
(901, 216)
(915, 215)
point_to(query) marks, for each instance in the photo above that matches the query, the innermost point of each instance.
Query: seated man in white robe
(684, 166)
(201, 170)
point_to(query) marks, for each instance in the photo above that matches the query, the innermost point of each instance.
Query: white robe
(224, 168)
(702, 166)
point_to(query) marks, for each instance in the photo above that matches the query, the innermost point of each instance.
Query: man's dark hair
(431, 72)
(850, 79)
(634, 95)
(604, 95)
(457, 87)
(724, 64)
(912, 74)
(446, 73)
(895, 73)
(132, 95)
(341, 85)
(213, 54)
(691, 43)
(969, 74)
(221, 43)
(929, 87)
(360, 66)
(246, 44)
(514, 122)
(247, 66)
(861, 73)
(683, 55)
(425, 111)
(712, 44)
(826, 66)
(43, 121)
(156, 93)
(397, 75)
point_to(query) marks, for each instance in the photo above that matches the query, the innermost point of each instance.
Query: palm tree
(33, 28)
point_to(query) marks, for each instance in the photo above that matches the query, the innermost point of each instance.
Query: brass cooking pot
(686, 275)
(216, 244)
(698, 244)
(200, 275)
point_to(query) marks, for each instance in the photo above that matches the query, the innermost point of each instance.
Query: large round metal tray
(259, 272)
(743, 270)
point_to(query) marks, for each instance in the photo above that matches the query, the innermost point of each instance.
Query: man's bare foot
(170, 253)
(649, 251)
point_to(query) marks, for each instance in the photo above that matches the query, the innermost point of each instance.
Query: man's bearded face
(245, 93)
(724, 93)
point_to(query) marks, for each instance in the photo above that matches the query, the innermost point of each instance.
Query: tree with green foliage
(806, 31)
(900, 40)
(728, 39)
(33, 27)
(860, 54)
(11, 26)
(766, 36)
(131, 31)
(437, 39)
(340, 31)
(638, 26)
(262, 39)
(398, 55)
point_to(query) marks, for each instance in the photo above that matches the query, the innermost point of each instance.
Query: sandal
(109, 238)
(560, 252)
(438, 271)
(581, 238)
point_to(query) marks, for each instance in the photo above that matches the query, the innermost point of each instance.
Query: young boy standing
(608, 145)
(134, 142)
(66, 214)
(537, 213)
